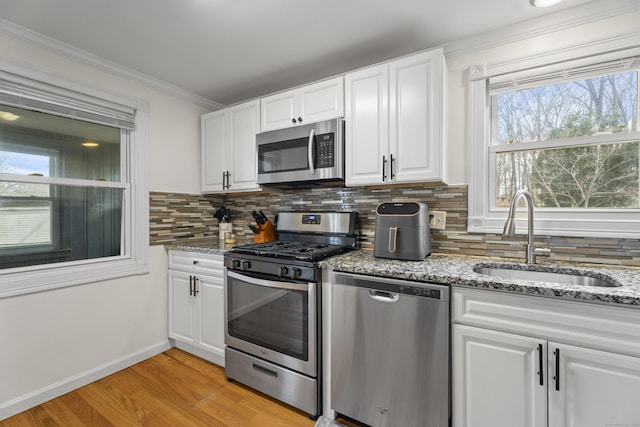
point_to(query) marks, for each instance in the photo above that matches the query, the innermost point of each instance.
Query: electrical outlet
(437, 219)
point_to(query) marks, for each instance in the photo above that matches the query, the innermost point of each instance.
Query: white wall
(52, 342)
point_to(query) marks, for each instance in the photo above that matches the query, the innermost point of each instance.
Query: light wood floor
(171, 389)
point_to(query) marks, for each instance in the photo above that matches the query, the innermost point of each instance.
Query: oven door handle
(269, 283)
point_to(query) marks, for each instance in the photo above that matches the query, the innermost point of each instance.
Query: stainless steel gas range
(273, 306)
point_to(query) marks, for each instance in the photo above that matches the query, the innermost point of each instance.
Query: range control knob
(235, 264)
(295, 272)
(282, 271)
(246, 265)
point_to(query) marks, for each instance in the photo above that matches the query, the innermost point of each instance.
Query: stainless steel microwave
(302, 154)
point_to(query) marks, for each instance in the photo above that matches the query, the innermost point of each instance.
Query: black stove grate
(307, 251)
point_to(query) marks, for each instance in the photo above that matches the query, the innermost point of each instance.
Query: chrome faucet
(510, 226)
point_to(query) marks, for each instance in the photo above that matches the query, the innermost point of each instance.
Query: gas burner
(307, 251)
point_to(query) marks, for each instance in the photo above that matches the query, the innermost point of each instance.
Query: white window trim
(601, 223)
(134, 261)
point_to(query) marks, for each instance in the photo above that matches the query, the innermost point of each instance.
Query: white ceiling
(232, 50)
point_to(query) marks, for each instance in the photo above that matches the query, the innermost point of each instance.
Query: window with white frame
(70, 211)
(570, 134)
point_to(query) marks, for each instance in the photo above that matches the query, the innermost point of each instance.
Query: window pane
(595, 176)
(605, 104)
(73, 223)
(24, 163)
(24, 222)
(47, 145)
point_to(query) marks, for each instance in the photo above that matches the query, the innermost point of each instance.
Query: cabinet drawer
(196, 262)
(595, 326)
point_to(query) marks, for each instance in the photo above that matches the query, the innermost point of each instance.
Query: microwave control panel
(325, 151)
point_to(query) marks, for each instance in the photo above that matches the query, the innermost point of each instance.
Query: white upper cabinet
(229, 148)
(213, 147)
(367, 126)
(395, 121)
(309, 104)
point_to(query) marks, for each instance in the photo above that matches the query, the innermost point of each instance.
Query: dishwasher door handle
(384, 296)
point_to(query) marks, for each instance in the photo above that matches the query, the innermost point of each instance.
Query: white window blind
(23, 92)
(558, 73)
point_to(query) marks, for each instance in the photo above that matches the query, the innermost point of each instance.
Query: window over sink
(569, 133)
(69, 210)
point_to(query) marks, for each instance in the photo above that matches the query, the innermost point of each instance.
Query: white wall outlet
(438, 219)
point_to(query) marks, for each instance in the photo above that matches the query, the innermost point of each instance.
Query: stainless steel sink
(568, 277)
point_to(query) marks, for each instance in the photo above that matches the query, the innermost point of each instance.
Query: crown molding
(23, 35)
(565, 19)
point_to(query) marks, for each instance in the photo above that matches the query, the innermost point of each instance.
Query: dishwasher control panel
(419, 291)
(403, 287)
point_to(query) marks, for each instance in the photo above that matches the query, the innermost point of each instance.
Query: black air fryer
(402, 231)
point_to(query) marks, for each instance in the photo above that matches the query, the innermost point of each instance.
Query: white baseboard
(216, 358)
(38, 397)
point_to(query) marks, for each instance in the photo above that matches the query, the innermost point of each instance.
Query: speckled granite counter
(210, 245)
(458, 271)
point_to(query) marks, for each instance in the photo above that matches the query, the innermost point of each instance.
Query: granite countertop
(458, 271)
(208, 245)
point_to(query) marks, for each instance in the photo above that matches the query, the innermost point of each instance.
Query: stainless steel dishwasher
(390, 351)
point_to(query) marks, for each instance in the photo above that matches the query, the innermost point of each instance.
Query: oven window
(283, 156)
(269, 317)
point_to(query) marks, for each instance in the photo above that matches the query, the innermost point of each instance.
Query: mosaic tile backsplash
(175, 216)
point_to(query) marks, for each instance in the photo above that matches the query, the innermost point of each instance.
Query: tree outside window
(566, 142)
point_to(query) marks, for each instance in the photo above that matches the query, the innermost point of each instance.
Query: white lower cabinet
(496, 379)
(196, 304)
(507, 379)
(595, 388)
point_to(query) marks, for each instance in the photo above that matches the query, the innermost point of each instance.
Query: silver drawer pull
(265, 371)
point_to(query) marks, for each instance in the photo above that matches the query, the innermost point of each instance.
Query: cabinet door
(244, 123)
(182, 308)
(211, 319)
(367, 126)
(496, 379)
(279, 110)
(213, 145)
(595, 388)
(416, 126)
(322, 101)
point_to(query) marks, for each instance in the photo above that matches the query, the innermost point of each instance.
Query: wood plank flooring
(171, 389)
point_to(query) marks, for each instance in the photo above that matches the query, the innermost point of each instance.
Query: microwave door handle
(312, 168)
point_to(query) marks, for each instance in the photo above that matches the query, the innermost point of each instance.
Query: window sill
(567, 223)
(26, 280)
